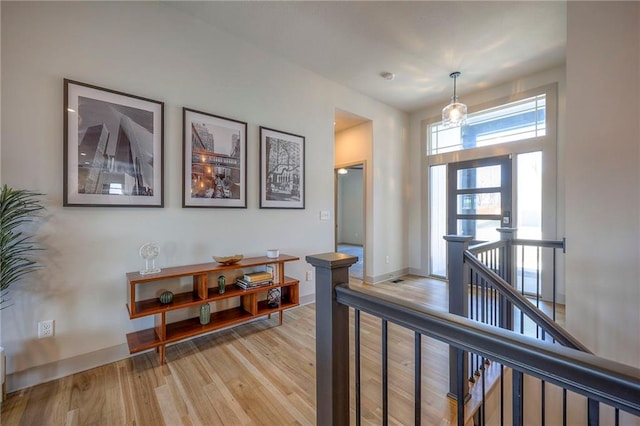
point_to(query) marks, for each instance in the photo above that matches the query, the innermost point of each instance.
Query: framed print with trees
(281, 170)
(113, 148)
(214, 161)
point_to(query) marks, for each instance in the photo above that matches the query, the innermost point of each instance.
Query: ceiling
(421, 42)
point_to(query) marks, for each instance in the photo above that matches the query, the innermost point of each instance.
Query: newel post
(505, 309)
(332, 339)
(507, 235)
(458, 276)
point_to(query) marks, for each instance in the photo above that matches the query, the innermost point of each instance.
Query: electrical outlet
(45, 329)
(386, 259)
(309, 275)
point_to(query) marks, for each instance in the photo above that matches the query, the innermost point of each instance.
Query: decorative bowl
(228, 260)
(273, 253)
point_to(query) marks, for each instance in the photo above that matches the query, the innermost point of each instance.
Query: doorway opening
(350, 215)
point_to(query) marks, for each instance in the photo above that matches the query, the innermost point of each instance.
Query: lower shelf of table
(143, 340)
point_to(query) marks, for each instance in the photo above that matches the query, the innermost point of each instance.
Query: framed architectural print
(214, 161)
(113, 148)
(281, 170)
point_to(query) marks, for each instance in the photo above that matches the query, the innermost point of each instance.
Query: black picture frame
(214, 160)
(282, 170)
(113, 148)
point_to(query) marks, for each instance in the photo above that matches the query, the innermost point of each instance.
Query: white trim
(65, 367)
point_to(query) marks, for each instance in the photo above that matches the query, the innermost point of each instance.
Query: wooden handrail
(603, 380)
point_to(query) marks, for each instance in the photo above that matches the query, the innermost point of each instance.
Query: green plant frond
(15, 265)
(13, 237)
(18, 246)
(17, 207)
(14, 278)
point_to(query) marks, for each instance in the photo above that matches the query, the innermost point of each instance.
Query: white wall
(149, 49)
(602, 177)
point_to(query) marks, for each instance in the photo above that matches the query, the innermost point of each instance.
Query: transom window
(514, 121)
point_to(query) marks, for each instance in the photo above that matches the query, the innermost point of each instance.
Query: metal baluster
(460, 386)
(518, 388)
(494, 259)
(493, 290)
(522, 291)
(554, 287)
(385, 376)
(477, 301)
(542, 397)
(474, 278)
(617, 417)
(483, 301)
(501, 395)
(564, 407)
(357, 367)
(418, 377)
(537, 287)
(484, 393)
(593, 409)
(495, 296)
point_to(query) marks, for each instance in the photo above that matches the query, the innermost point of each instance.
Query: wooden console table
(250, 306)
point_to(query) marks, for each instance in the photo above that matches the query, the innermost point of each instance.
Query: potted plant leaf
(17, 207)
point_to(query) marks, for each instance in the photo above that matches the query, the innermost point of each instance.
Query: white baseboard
(389, 277)
(65, 367)
(307, 299)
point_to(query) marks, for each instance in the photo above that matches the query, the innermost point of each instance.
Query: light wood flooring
(254, 374)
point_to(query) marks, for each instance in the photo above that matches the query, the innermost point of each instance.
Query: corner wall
(603, 177)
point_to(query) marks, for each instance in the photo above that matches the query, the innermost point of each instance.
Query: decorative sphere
(166, 297)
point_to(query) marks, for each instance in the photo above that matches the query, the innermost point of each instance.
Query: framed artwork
(281, 170)
(214, 161)
(113, 148)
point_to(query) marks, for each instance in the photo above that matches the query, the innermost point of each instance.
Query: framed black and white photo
(113, 148)
(281, 170)
(215, 161)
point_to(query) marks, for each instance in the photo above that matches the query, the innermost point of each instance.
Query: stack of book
(255, 280)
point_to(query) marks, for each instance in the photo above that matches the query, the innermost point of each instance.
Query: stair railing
(481, 276)
(600, 380)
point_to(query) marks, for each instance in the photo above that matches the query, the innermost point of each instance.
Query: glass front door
(479, 198)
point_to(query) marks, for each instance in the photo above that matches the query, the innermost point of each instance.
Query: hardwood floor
(254, 374)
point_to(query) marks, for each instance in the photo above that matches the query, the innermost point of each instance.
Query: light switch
(325, 215)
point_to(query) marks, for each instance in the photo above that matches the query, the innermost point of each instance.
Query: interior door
(479, 198)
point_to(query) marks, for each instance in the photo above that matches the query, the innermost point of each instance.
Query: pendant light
(454, 114)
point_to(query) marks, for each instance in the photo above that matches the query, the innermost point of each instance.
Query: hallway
(357, 269)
